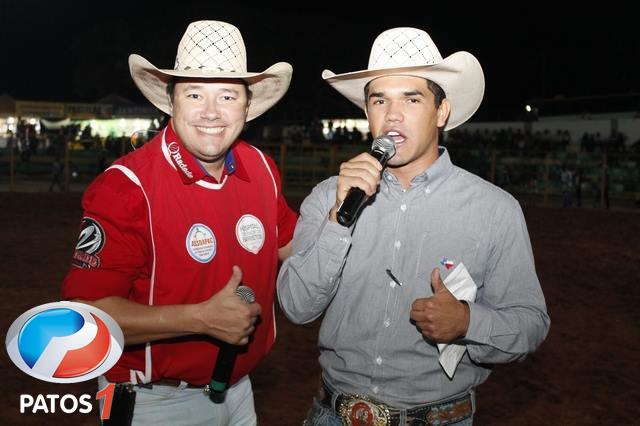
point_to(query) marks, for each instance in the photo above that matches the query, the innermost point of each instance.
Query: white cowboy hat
(410, 51)
(212, 49)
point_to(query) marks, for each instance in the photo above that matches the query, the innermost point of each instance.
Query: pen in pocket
(395, 280)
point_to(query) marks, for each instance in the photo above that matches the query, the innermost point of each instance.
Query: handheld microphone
(227, 357)
(382, 148)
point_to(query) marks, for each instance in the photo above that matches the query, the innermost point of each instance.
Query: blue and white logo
(64, 342)
(201, 243)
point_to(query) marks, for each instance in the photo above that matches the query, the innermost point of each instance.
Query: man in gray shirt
(437, 256)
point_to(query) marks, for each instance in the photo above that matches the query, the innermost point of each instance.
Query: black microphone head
(384, 147)
(246, 293)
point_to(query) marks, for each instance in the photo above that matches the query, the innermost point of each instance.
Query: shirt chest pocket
(445, 251)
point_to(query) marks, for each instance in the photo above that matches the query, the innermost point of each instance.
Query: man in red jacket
(170, 231)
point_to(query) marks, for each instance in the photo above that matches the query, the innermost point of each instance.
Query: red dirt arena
(585, 373)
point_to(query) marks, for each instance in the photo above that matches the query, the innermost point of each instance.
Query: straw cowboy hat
(410, 51)
(212, 49)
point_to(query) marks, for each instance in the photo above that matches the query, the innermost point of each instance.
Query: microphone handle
(350, 207)
(222, 372)
(227, 354)
(356, 198)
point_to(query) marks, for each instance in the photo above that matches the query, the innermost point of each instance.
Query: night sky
(77, 51)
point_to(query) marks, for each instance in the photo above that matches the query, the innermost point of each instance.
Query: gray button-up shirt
(367, 343)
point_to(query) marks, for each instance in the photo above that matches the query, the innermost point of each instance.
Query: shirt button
(392, 284)
(397, 244)
(375, 389)
(403, 207)
(387, 322)
(378, 360)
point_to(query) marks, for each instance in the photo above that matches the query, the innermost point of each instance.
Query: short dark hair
(438, 93)
(171, 88)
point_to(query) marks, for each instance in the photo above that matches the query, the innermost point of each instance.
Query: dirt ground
(585, 373)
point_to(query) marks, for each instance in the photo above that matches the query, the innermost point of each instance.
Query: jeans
(321, 415)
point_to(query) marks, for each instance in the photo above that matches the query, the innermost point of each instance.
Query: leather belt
(363, 410)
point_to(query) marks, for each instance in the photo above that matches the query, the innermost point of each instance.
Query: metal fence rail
(597, 179)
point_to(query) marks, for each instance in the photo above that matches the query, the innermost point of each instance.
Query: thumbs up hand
(226, 316)
(440, 318)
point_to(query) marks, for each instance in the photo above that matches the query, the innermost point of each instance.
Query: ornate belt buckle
(360, 410)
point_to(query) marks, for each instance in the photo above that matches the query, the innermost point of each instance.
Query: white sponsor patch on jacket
(250, 233)
(201, 243)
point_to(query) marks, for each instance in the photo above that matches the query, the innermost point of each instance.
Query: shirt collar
(433, 176)
(233, 163)
(189, 168)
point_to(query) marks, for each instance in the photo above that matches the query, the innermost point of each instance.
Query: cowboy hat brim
(459, 75)
(267, 87)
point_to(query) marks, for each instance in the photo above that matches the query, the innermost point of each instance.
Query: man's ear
(443, 112)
